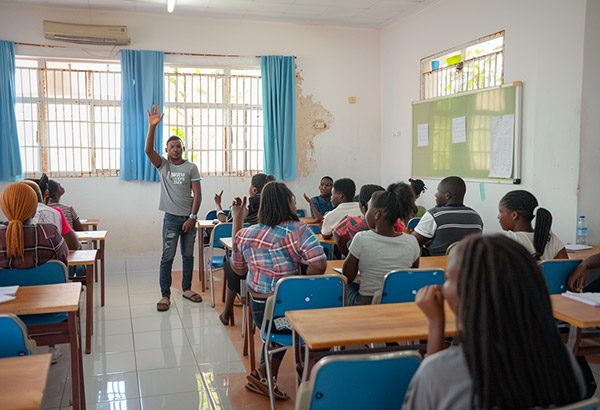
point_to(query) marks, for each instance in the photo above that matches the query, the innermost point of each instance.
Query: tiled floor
(180, 359)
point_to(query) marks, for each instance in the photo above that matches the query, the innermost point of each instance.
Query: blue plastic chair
(212, 214)
(49, 273)
(412, 223)
(557, 272)
(402, 285)
(297, 293)
(587, 404)
(221, 230)
(15, 341)
(334, 382)
(301, 213)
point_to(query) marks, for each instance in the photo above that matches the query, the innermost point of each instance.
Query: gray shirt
(443, 382)
(176, 187)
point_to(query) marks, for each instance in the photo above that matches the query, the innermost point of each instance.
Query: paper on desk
(501, 146)
(6, 298)
(459, 130)
(572, 248)
(422, 135)
(589, 298)
(9, 290)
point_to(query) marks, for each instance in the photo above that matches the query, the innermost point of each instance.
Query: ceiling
(374, 14)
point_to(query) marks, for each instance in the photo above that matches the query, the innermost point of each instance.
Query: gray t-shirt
(176, 187)
(443, 382)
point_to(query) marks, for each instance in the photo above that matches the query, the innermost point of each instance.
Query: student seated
(341, 197)
(515, 214)
(381, 249)
(577, 278)
(449, 221)
(349, 226)
(321, 204)
(418, 187)
(253, 252)
(23, 244)
(55, 192)
(510, 355)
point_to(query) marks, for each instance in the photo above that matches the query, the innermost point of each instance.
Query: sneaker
(54, 351)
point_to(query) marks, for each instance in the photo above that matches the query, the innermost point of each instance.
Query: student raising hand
(155, 116)
(239, 210)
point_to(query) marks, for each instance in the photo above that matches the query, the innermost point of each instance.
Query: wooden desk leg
(102, 263)
(201, 258)
(78, 387)
(89, 307)
(574, 339)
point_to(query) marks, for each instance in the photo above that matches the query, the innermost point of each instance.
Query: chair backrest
(360, 381)
(305, 292)
(587, 404)
(15, 341)
(402, 285)
(557, 272)
(301, 213)
(412, 223)
(316, 229)
(221, 230)
(212, 214)
(49, 273)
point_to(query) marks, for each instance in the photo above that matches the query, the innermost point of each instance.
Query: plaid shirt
(273, 253)
(42, 243)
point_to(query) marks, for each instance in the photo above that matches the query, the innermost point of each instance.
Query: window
(475, 65)
(68, 117)
(218, 114)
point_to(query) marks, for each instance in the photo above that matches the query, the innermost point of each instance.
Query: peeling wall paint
(307, 112)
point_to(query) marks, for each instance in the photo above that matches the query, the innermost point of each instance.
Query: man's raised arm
(154, 118)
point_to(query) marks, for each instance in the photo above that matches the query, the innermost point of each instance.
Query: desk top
(585, 253)
(61, 297)
(93, 235)
(322, 240)
(23, 381)
(227, 242)
(90, 222)
(358, 325)
(309, 220)
(206, 223)
(425, 262)
(82, 257)
(575, 313)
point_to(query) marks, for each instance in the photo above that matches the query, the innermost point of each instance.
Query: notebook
(589, 298)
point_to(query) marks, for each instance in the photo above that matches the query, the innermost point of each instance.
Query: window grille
(68, 117)
(218, 114)
(475, 65)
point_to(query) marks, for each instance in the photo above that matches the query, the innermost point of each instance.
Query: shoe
(193, 296)
(54, 351)
(163, 304)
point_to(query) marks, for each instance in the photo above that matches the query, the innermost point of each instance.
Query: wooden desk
(203, 224)
(322, 240)
(227, 243)
(579, 316)
(62, 297)
(309, 220)
(23, 381)
(584, 254)
(429, 262)
(87, 258)
(94, 237)
(90, 224)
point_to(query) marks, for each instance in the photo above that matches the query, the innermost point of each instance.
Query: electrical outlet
(319, 125)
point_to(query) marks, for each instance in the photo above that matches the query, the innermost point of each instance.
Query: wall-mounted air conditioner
(86, 33)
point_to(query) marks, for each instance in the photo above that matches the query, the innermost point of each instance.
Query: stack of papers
(572, 248)
(8, 293)
(590, 298)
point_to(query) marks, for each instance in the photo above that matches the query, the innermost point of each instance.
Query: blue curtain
(10, 154)
(279, 115)
(142, 79)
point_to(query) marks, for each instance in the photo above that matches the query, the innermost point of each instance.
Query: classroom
(552, 46)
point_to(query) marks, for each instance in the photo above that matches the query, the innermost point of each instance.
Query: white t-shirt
(378, 255)
(47, 215)
(552, 248)
(426, 226)
(332, 218)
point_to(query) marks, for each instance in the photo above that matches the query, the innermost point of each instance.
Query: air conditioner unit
(86, 33)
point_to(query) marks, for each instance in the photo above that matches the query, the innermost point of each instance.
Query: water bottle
(582, 231)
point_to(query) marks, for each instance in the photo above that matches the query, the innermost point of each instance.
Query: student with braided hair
(381, 249)
(515, 213)
(510, 354)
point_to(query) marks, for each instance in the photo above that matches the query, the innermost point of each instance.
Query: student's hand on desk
(577, 279)
(218, 199)
(188, 225)
(238, 209)
(431, 301)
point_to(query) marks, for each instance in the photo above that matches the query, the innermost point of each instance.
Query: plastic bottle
(582, 231)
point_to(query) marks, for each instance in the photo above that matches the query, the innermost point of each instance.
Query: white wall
(589, 166)
(543, 48)
(335, 63)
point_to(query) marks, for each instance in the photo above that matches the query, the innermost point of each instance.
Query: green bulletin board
(470, 159)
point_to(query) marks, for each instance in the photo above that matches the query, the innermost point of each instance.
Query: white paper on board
(422, 135)
(459, 130)
(501, 146)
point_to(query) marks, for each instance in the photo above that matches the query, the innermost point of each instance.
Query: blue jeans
(172, 230)
(258, 315)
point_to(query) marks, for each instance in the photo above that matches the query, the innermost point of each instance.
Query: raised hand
(154, 117)
(218, 198)
(238, 209)
(307, 198)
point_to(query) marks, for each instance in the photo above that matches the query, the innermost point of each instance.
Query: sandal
(258, 384)
(193, 296)
(163, 304)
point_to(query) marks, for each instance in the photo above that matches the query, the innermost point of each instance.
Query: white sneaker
(54, 351)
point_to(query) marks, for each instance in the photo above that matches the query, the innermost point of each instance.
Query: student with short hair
(321, 204)
(449, 221)
(341, 197)
(381, 249)
(253, 252)
(55, 192)
(515, 213)
(510, 354)
(418, 187)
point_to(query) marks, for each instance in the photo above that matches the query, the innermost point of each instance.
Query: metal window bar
(70, 114)
(222, 139)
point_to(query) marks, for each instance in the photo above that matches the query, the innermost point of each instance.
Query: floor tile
(112, 343)
(164, 358)
(201, 319)
(150, 324)
(158, 339)
(169, 381)
(112, 313)
(99, 364)
(215, 352)
(112, 327)
(111, 387)
(131, 404)
(149, 310)
(192, 400)
(144, 298)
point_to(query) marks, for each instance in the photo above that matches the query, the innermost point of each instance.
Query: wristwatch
(194, 217)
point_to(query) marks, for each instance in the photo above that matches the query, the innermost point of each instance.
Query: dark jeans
(172, 231)
(258, 314)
